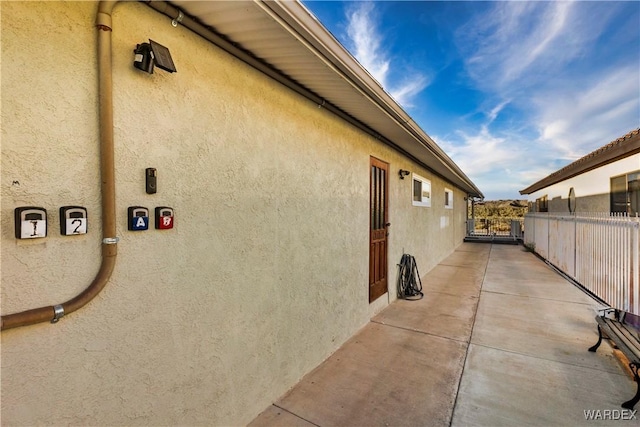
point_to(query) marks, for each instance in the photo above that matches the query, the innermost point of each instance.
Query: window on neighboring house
(633, 190)
(625, 193)
(448, 198)
(421, 191)
(542, 204)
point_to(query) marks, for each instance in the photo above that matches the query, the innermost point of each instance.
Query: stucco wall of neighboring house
(592, 188)
(593, 203)
(266, 271)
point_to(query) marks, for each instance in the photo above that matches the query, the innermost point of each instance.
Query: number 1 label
(33, 229)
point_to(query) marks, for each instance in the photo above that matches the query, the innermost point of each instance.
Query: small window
(421, 191)
(633, 190)
(625, 193)
(448, 198)
(618, 194)
(542, 204)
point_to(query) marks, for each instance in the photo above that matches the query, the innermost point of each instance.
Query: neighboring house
(280, 159)
(606, 180)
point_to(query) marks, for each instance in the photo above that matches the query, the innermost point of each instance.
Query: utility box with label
(73, 220)
(30, 222)
(164, 218)
(138, 218)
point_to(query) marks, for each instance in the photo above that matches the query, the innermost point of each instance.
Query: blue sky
(511, 90)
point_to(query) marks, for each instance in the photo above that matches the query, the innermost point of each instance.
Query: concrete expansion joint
(421, 332)
(473, 327)
(547, 359)
(475, 296)
(535, 297)
(295, 415)
(466, 267)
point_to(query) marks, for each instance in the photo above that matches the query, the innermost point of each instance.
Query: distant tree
(500, 209)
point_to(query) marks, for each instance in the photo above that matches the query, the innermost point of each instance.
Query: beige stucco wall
(266, 271)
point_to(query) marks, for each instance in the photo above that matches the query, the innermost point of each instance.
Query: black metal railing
(495, 227)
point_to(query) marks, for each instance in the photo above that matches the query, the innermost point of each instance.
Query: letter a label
(140, 223)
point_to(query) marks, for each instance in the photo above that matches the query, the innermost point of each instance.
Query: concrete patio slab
(444, 315)
(527, 363)
(520, 272)
(454, 280)
(383, 376)
(543, 328)
(469, 255)
(506, 389)
(474, 247)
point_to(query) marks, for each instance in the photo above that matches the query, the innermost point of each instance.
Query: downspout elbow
(107, 173)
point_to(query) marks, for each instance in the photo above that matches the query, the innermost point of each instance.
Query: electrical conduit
(107, 177)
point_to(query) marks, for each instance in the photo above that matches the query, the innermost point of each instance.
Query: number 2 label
(76, 226)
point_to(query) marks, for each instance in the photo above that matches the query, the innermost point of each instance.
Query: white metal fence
(599, 251)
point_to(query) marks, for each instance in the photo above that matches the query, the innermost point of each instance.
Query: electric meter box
(30, 222)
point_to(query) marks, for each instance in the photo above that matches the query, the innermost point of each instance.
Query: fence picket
(598, 250)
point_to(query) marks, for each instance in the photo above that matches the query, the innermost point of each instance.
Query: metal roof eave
(297, 16)
(285, 41)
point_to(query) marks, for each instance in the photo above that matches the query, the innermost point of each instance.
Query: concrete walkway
(498, 340)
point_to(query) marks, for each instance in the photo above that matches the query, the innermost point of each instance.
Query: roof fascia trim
(302, 23)
(629, 146)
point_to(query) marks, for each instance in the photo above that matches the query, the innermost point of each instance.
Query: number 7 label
(164, 218)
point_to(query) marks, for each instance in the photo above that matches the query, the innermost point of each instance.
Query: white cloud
(495, 111)
(478, 153)
(366, 40)
(518, 45)
(539, 42)
(527, 55)
(366, 44)
(552, 92)
(408, 89)
(587, 117)
(501, 165)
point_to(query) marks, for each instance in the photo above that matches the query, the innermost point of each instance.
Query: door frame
(378, 229)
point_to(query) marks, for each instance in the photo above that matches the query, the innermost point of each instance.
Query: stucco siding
(266, 271)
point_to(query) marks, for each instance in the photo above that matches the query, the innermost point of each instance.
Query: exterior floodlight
(148, 55)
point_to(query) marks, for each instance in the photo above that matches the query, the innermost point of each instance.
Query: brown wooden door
(378, 217)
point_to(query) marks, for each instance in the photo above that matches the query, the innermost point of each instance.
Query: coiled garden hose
(409, 283)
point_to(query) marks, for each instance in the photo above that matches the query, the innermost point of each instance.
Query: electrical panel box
(164, 218)
(30, 222)
(73, 220)
(138, 218)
